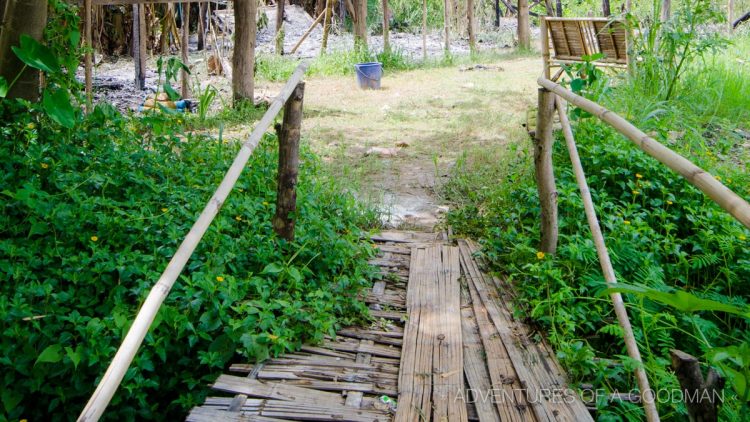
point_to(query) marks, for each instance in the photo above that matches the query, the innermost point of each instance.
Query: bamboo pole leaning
(647, 394)
(138, 330)
(309, 30)
(722, 195)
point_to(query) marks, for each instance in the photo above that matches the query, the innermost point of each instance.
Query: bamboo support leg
(286, 199)
(139, 45)
(649, 405)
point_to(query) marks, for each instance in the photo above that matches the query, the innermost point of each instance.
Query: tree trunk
(559, 8)
(470, 18)
(286, 190)
(446, 25)
(386, 29)
(243, 59)
(28, 17)
(497, 13)
(185, 80)
(702, 396)
(360, 24)
(524, 39)
(326, 26)
(424, 30)
(139, 46)
(279, 27)
(201, 26)
(730, 13)
(605, 8)
(544, 173)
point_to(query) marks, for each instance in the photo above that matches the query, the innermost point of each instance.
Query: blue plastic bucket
(369, 74)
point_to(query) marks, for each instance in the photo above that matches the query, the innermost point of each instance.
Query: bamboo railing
(551, 96)
(290, 98)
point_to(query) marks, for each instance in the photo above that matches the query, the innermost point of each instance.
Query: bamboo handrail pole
(722, 195)
(649, 405)
(125, 354)
(304, 36)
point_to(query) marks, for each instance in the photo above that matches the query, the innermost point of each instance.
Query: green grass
(271, 67)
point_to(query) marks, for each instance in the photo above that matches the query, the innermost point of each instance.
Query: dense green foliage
(93, 207)
(662, 233)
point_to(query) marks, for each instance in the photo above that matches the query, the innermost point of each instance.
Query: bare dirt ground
(397, 145)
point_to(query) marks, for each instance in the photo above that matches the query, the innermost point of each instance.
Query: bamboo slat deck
(445, 347)
(569, 40)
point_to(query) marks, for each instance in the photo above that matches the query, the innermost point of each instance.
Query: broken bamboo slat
(722, 195)
(649, 404)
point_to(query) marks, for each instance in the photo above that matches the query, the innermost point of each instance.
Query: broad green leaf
(272, 268)
(36, 55)
(680, 300)
(173, 94)
(10, 400)
(74, 355)
(576, 85)
(57, 105)
(52, 354)
(3, 87)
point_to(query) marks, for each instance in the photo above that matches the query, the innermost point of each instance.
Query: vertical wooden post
(424, 29)
(446, 25)
(243, 57)
(544, 172)
(201, 26)
(497, 13)
(139, 45)
(386, 28)
(326, 26)
(88, 58)
(524, 39)
(286, 193)
(545, 46)
(185, 49)
(606, 11)
(470, 19)
(279, 27)
(702, 397)
(362, 23)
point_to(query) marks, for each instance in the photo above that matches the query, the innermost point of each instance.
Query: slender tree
(606, 11)
(524, 39)
(243, 60)
(470, 19)
(20, 17)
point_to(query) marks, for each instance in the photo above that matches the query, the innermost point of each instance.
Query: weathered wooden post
(87, 57)
(279, 37)
(326, 26)
(701, 397)
(185, 48)
(543, 171)
(286, 193)
(470, 23)
(386, 29)
(139, 45)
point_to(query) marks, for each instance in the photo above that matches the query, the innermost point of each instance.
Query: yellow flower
(24, 420)
(669, 202)
(238, 218)
(709, 153)
(638, 176)
(626, 222)
(265, 203)
(635, 192)
(219, 279)
(45, 165)
(273, 337)
(729, 180)
(94, 238)
(718, 178)
(540, 255)
(742, 237)
(30, 126)
(241, 190)
(164, 209)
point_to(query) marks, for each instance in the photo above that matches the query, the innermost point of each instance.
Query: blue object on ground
(369, 74)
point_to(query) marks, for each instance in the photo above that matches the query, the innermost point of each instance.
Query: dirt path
(397, 145)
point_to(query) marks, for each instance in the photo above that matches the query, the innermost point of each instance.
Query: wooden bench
(568, 40)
